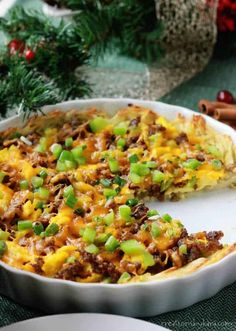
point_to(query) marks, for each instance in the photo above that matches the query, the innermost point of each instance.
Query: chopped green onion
(132, 202)
(105, 182)
(98, 124)
(92, 249)
(132, 247)
(56, 150)
(109, 193)
(3, 248)
(68, 190)
(39, 205)
(81, 160)
(133, 158)
(66, 156)
(43, 193)
(125, 212)
(214, 151)
(81, 231)
(124, 278)
(78, 151)
(42, 146)
(24, 184)
(152, 212)
(140, 169)
(120, 130)
(183, 249)
(191, 164)
(111, 244)
(157, 176)
(89, 234)
(70, 164)
(119, 181)
(2, 175)
(121, 143)
(151, 164)
(61, 166)
(71, 200)
(43, 174)
(16, 135)
(51, 229)
(192, 182)
(109, 218)
(166, 218)
(71, 259)
(38, 228)
(24, 225)
(113, 165)
(136, 179)
(4, 235)
(155, 230)
(102, 238)
(69, 142)
(216, 164)
(37, 182)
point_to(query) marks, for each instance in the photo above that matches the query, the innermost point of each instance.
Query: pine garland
(43, 67)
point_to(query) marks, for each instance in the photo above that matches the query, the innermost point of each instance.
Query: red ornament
(29, 54)
(225, 96)
(16, 45)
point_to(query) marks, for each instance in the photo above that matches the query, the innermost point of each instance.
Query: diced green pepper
(42, 146)
(109, 218)
(152, 212)
(216, 164)
(102, 238)
(68, 190)
(214, 151)
(133, 158)
(37, 181)
(43, 174)
(119, 181)
(24, 184)
(51, 230)
(113, 165)
(78, 151)
(121, 143)
(132, 247)
(98, 124)
(139, 169)
(166, 218)
(155, 230)
(132, 202)
(66, 156)
(158, 176)
(124, 278)
(151, 164)
(109, 193)
(69, 142)
(56, 150)
(38, 228)
(183, 249)
(111, 244)
(71, 259)
(125, 213)
(43, 193)
(136, 179)
(71, 200)
(92, 249)
(105, 182)
(191, 164)
(89, 234)
(24, 225)
(120, 130)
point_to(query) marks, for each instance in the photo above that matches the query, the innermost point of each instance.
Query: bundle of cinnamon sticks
(221, 111)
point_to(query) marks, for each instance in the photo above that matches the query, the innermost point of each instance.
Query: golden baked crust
(72, 190)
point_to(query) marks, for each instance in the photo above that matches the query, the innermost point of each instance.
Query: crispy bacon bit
(200, 157)
(139, 212)
(181, 138)
(70, 271)
(155, 128)
(18, 199)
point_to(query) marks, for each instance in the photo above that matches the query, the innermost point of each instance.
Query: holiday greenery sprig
(39, 63)
(42, 57)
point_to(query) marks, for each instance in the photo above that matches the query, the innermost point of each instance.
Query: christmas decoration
(225, 96)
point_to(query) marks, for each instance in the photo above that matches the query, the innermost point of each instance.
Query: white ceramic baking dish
(214, 210)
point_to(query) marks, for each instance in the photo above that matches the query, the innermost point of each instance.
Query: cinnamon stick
(227, 113)
(208, 107)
